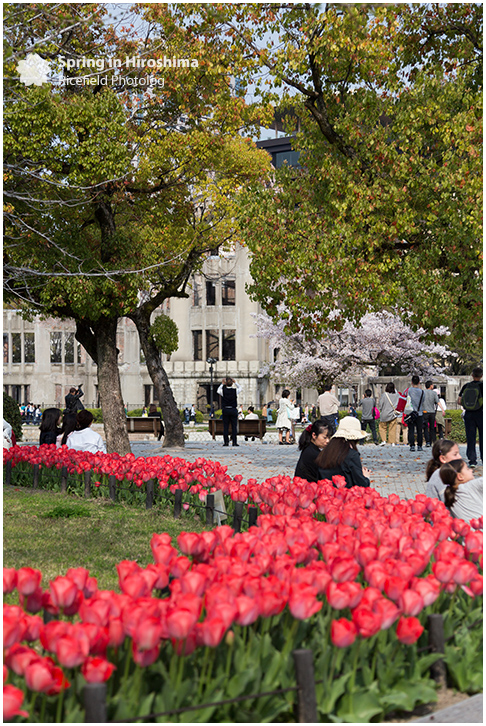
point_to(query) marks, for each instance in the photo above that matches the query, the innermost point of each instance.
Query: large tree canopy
(114, 193)
(385, 209)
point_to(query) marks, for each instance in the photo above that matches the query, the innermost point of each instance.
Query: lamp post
(211, 362)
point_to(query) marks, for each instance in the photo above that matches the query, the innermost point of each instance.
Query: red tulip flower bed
(345, 572)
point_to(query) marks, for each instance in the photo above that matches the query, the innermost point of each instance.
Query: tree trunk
(174, 430)
(100, 340)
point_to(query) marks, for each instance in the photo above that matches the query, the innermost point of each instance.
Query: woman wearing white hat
(341, 457)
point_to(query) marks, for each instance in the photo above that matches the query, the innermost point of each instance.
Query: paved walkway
(394, 468)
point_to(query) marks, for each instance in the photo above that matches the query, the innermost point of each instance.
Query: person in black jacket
(154, 413)
(73, 403)
(229, 391)
(312, 440)
(49, 428)
(341, 457)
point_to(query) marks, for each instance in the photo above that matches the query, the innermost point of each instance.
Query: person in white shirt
(439, 415)
(251, 416)
(328, 407)
(84, 438)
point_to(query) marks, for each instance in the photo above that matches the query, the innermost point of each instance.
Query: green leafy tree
(114, 196)
(385, 209)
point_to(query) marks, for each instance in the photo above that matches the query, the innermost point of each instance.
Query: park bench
(143, 425)
(246, 427)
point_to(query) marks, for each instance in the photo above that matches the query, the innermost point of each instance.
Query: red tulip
(18, 657)
(12, 700)
(211, 631)
(9, 579)
(51, 633)
(63, 592)
(248, 610)
(147, 633)
(367, 622)
(428, 588)
(444, 571)
(387, 611)
(145, 658)
(303, 601)
(409, 630)
(72, 651)
(344, 569)
(97, 670)
(343, 632)
(394, 586)
(411, 602)
(28, 580)
(39, 676)
(180, 623)
(34, 602)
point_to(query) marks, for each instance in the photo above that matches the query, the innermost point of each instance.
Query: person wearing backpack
(471, 399)
(414, 414)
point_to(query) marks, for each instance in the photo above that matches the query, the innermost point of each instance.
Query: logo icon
(33, 70)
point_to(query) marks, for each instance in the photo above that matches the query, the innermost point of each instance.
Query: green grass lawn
(52, 532)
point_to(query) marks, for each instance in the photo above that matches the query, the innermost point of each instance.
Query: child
(463, 493)
(49, 428)
(443, 451)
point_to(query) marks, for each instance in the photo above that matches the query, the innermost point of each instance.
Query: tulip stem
(289, 643)
(59, 705)
(229, 658)
(180, 671)
(32, 703)
(355, 666)
(202, 677)
(43, 709)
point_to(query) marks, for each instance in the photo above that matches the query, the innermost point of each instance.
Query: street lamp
(211, 362)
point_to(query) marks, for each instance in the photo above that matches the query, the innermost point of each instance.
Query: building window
(197, 344)
(16, 348)
(229, 349)
(69, 349)
(143, 362)
(56, 347)
(78, 348)
(212, 344)
(5, 348)
(29, 348)
(196, 291)
(210, 293)
(228, 292)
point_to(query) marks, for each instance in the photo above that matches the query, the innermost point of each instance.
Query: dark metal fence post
(252, 516)
(149, 500)
(47, 617)
(112, 487)
(306, 695)
(209, 510)
(64, 476)
(177, 503)
(8, 473)
(94, 697)
(237, 516)
(435, 627)
(87, 484)
(35, 476)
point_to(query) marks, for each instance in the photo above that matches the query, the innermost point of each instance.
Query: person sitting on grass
(84, 438)
(49, 428)
(463, 493)
(341, 457)
(443, 451)
(313, 439)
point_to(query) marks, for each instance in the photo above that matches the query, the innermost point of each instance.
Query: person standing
(73, 404)
(229, 390)
(367, 405)
(439, 415)
(283, 423)
(471, 399)
(388, 415)
(415, 414)
(431, 403)
(153, 412)
(328, 408)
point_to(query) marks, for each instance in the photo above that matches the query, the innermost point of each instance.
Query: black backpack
(472, 397)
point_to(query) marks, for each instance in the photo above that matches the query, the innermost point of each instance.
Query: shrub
(11, 414)
(458, 432)
(97, 414)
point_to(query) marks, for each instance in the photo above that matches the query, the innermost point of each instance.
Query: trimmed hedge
(11, 414)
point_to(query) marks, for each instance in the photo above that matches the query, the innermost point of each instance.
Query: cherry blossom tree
(377, 341)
